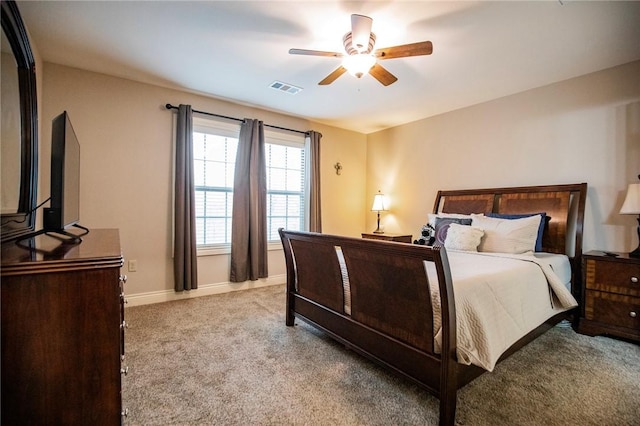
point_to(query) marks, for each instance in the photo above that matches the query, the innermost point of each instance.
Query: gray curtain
(184, 247)
(249, 217)
(313, 141)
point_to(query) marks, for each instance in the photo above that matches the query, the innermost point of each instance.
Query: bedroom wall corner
(343, 194)
(583, 129)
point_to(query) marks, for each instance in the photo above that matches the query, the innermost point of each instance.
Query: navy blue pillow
(543, 220)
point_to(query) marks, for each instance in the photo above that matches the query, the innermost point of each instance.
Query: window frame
(294, 140)
(224, 129)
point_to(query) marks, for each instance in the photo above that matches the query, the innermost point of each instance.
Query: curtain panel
(313, 143)
(185, 268)
(249, 217)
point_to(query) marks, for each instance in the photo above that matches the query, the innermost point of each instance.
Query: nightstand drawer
(613, 277)
(614, 309)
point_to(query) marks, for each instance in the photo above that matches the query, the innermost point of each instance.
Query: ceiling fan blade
(315, 53)
(332, 77)
(360, 31)
(382, 75)
(413, 49)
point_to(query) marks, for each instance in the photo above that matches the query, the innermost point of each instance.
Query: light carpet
(229, 359)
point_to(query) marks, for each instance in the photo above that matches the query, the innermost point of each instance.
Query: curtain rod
(169, 106)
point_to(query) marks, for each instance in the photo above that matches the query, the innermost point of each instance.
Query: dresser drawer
(614, 309)
(613, 277)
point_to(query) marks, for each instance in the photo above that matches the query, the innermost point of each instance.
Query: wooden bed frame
(391, 318)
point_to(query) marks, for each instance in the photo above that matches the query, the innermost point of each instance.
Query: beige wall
(126, 137)
(586, 129)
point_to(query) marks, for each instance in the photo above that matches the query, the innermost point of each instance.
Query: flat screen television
(64, 204)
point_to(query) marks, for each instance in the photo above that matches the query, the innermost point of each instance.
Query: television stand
(61, 325)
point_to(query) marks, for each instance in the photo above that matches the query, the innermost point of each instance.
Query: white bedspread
(499, 298)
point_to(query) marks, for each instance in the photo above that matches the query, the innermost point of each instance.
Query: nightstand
(401, 238)
(611, 295)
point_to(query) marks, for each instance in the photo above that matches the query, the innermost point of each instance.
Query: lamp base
(378, 230)
(636, 252)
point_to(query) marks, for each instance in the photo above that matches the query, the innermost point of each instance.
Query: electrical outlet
(133, 265)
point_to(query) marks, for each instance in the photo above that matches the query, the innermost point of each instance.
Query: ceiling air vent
(285, 87)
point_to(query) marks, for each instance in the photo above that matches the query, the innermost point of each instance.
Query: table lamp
(631, 205)
(378, 206)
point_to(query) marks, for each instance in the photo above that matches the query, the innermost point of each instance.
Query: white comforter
(499, 298)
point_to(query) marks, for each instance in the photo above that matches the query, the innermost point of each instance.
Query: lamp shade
(378, 203)
(358, 64)
(631, 203)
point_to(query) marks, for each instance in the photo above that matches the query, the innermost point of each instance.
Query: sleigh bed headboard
(563, 204)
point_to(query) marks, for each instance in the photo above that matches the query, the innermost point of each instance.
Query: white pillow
(507, 235)
(463, 237)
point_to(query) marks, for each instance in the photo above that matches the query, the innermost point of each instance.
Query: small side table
(400, 238)
(611, 289)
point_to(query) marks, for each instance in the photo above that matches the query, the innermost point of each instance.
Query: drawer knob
(634, 280)
(123, 279)
(632, 314)
(125, 412)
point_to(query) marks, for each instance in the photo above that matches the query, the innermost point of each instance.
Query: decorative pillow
(442, 226)
(543, 221)
(463, 237)
(507, 235)
(431, 217)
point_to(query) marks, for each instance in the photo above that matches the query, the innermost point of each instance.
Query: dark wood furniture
(401, 238)
(20, 221)
(563, 204)
(395, 328)
(62, 331)
(611, 295)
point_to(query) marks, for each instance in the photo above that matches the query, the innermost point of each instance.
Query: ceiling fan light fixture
(359, 64)
(360, 55)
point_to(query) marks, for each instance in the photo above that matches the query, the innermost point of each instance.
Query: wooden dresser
(63, 331)
(611, 295)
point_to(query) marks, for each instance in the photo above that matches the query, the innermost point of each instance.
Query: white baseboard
(202, 290)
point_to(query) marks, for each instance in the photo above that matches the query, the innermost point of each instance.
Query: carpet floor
(229, 359)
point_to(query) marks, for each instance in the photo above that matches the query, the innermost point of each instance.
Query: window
(215, 145)
(286, 183)
(214, 157)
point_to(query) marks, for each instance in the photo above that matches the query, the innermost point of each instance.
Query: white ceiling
(235, 50)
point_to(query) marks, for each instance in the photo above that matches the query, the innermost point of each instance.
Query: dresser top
(99, 248)
(619, 257)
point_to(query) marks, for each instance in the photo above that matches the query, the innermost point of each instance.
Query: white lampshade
(378, 203)
(631, 203)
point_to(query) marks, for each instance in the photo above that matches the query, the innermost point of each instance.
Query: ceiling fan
(360, 57)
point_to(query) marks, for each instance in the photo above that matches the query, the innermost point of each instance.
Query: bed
(442, 316)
